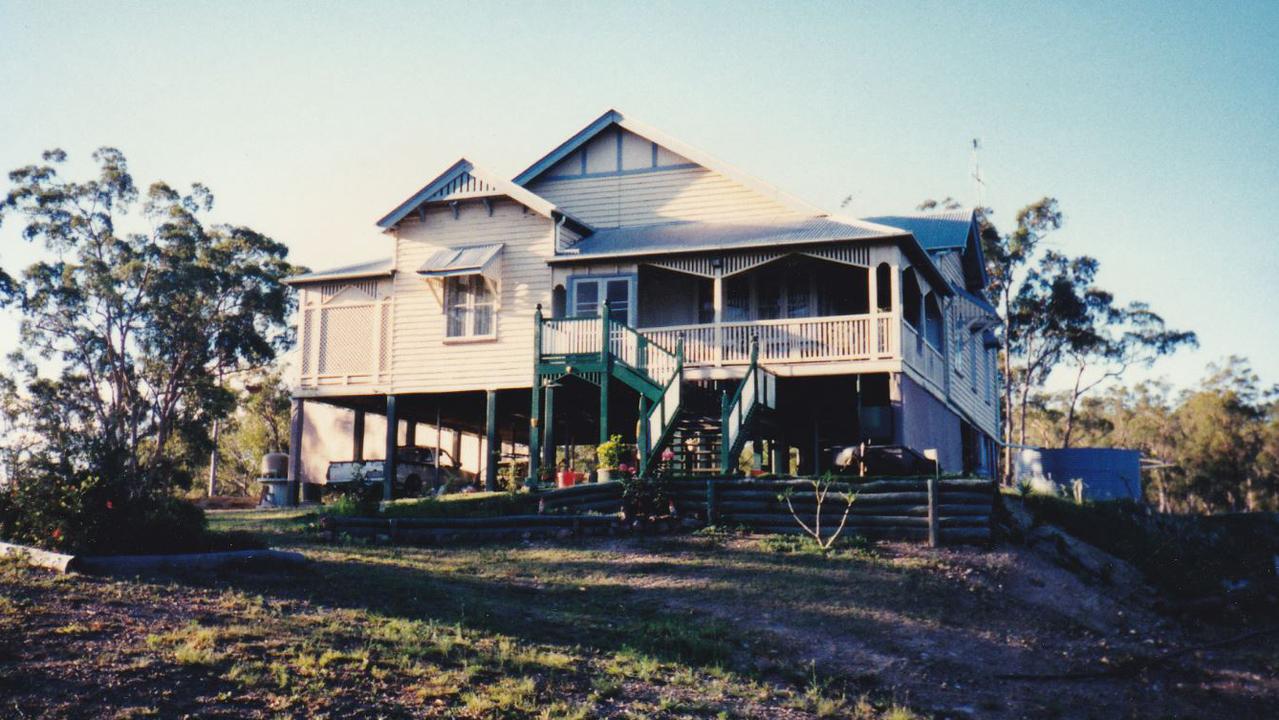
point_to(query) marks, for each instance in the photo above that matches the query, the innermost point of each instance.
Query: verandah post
(357, 436)
(490, 440)
(389, 463)
(534, 411)
(724, 443)
(490, 432)
(296, 424)
(606, 370)
(548, 430)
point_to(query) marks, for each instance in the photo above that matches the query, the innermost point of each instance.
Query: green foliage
(464, 505)
(86, 513)
(610, 453)
(1184, 555)
(259, 425)
(1055, 315)
(1218, 442)
(124, 337)
(356, 499)
(646, 496)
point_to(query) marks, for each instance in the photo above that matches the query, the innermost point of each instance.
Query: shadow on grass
(698, 603)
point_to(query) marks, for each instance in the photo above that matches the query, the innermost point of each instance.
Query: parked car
(415, 469)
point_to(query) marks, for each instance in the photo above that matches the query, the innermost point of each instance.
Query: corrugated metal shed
(372, 268)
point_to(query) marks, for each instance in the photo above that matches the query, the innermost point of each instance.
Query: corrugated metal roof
(460, 261)
(941, 230)
(703, 237)
(372, 268)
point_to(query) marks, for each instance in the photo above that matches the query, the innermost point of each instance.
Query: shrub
(1185, 555)
(357, 499)
(84, 514)
(465, 505)
(646, 496)
(609, 452)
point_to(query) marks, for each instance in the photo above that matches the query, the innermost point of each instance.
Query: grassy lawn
(693, 626)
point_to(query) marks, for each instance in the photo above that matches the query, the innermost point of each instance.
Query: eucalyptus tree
(128, 320)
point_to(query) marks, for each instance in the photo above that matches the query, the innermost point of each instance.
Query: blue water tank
(1108, 473)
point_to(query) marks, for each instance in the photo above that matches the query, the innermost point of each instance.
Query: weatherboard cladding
(662, 195)
(424, 359)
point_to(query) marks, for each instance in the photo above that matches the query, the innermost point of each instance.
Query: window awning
(483, 260)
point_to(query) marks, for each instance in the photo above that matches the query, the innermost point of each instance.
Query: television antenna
(980, 185)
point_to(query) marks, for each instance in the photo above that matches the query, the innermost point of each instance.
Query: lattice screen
(345, 334)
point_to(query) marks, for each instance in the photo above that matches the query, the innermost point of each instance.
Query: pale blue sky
(1157, 126)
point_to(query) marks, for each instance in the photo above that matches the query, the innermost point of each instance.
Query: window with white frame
(588, 292)
(468, 306)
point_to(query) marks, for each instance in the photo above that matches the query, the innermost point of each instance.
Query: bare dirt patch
(667, 627)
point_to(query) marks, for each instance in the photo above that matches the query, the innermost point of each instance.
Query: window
(468, 306)
(587, 293)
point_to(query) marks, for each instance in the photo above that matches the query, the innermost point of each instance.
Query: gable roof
(615, 117)
(464, 179)
(372, 268)
(944, 230)
(939, 231)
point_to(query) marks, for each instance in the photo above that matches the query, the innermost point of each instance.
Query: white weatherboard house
(626, 283)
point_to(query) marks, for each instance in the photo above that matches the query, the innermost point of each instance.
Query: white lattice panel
(346, 340)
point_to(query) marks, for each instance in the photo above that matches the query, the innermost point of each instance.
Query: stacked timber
(897, 508)
(605, 497)
(427, 531)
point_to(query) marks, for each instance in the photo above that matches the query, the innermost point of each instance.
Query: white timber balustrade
(840, 337)
(570, 336)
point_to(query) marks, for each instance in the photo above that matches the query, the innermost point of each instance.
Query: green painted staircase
(599, 348)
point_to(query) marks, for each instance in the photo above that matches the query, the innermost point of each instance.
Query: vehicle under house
(627, 284)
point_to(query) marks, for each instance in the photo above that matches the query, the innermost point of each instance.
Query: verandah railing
(758, 388)
(835, 338)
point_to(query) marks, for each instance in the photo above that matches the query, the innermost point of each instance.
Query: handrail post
(643, 440)
(606, 341)
(534, 448)
(724, 440)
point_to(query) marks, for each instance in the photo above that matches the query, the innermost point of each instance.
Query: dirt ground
(676, 626)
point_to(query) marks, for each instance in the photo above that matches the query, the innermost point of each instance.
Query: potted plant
(610, 455)
(567, 478)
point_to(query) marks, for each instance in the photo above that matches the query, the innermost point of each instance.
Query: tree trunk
(1070, 411)
(213, 459)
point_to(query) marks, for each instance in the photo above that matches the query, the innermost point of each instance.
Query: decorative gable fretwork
(727, 265)
(465, 185)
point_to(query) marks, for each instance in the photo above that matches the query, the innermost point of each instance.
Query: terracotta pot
(566, 478)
